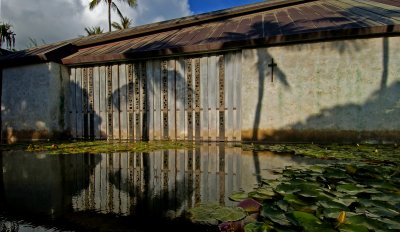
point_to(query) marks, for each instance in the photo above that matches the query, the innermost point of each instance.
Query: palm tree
(6, 35)
(111, 4)
(125, 23)
(93, 30)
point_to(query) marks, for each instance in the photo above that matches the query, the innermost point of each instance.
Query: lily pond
(97, 186)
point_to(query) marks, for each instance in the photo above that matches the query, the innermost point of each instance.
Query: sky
(48, 21)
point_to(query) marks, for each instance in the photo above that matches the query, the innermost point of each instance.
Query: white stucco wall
(31, 103)
(332, 90)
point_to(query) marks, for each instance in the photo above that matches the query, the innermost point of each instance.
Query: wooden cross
(272, 65)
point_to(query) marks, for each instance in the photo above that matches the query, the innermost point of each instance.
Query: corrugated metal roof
(268, 23)
(4, 52)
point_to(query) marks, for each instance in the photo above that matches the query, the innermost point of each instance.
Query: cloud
(56, 20)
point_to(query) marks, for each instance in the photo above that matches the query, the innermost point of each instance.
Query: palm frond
(116, 26)
(93, 30)
(94, 3)
(115, 8)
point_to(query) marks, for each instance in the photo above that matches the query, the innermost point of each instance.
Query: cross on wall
(272, 65)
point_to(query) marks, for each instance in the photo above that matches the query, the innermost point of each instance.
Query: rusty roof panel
(260, 24)
(271, 26)
(316, 18)
(345, 14)
(388, 2)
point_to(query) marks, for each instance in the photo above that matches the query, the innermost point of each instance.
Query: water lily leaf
(308, 194)
(349, 189)
(294, 200)
(266, 191)
(275, 215)
(382, 185)
(272, 183)
(250, 205)
(316, 168)
(204, 214)
(369, 223)
(230, 226)
(227, 214)
(250, 218)
(283, 205)
(352, 228)
(286, 189)
(346, 200)
(309, 222)
(238, 196)
(332, 204)
(331, 213)
(387, 197)
(335, 174)
(391, 224)
(383, 212)
(258, 196)
(351, 169)
(257, 227)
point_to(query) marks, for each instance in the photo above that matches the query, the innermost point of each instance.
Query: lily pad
(294, 200)
(286, 189)
(250, 205)
(308, 194)
(309, 222)
(331, 213)
(239, 196)
(259, 196)
(333, 204)
(227, 214)
(257, 227)
(212, 213)
(352, 228)
(349, 188)
(204, 214)
(230, 226)
(275, 215)
(367, 222)
(392, 224)
(266, 191)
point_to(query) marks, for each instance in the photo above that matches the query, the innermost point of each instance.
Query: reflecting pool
(127, 191)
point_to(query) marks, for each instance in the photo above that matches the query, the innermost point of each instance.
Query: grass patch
(96, 147)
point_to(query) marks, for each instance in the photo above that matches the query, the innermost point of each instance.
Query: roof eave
(53, 55)
(312, 36)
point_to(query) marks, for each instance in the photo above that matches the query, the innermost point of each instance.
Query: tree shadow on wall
(142, 107)
(82, 121)
(376, 119)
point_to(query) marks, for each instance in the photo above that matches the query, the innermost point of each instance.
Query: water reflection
(123, 190)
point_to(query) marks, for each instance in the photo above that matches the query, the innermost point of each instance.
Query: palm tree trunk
(109, 15)
(1, 181)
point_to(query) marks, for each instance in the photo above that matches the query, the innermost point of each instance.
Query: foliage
(93, 30)
(7, 35)
(34, 43)
(111, 5)
(360, 152)
(213, 213)
(124, 24)
(341, 196)
(96, 147)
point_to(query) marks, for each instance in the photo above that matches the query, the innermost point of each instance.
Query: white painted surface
(31, 101)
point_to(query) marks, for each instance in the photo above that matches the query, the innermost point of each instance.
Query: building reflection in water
(161, 183)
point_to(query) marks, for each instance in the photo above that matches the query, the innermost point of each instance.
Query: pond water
(127, 191)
